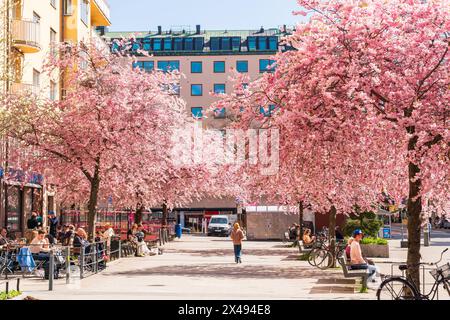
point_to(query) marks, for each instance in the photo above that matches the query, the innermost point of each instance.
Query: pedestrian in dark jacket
(53, 223)
(32, 223)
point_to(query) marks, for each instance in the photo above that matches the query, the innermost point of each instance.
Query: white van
(219, 225)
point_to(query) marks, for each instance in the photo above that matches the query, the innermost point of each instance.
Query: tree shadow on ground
(232, 270)
(230, 252)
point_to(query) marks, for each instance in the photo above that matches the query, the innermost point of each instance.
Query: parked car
(219, 225)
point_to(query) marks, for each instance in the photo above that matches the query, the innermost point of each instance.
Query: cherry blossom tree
(113, 126)
(375, 74)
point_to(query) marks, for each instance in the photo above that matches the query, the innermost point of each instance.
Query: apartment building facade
(29, 30)
(207, 59)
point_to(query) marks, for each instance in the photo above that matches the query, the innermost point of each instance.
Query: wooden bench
(348, 273)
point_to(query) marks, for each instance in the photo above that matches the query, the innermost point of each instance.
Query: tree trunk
(414, 224)
(300, 218)
(139, 213)
(164, 215)
(332, 233)
(92, 206)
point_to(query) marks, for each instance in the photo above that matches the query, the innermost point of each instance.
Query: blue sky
(145, 15)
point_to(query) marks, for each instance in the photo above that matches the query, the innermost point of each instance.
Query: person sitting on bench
(357, 262)
(308, 241)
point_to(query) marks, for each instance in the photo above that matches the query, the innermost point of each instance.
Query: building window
(197, 112)
(53, 3)
(251, 43)
(196, 67)
(219, 88)
(196, 90)
(242, 66)
(53, 90)
(168, 44)
(199, 44)
(264, 65)
(189, 44)
(136, 45)
(236, 43)
(157, 45)
(262, 43)
(178, 44)
(245, 86)
(84, 12)
(273, 43)
(68, 9)
(36, 78)
(148, 66)
(53, 41)
(226, 44)
(219, 66)
(214, 44)
(147, 44)
(220, 113)
(167, 66)
(268, 112)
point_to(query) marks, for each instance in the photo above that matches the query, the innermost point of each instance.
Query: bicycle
(404, 288)
(323, 258)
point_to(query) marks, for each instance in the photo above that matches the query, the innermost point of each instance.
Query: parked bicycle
(323, 258)
(404, 288)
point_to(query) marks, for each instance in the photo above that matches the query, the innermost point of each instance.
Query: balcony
(19, 88)
(26, 36)
(100, 13)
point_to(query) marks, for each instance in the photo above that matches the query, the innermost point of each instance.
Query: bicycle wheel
(323, 259)
(311, 259)
(396, 289)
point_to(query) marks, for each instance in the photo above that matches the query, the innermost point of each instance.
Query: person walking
(237, 236)
(53, 224)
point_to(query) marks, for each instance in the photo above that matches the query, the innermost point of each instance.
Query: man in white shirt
(39, 243)
(357, 262)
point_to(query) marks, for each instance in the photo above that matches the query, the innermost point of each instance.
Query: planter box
(375, 250)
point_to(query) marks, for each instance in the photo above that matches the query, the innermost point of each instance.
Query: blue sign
(387, 232)
(1, 172)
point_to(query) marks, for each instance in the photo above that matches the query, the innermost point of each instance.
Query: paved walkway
(200, 268)
(203, 268)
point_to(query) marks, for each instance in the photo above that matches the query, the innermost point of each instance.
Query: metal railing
(26, 32)
(20, 88)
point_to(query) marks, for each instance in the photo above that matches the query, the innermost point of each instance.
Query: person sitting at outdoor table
(40, 247)
(69, 233)
(357, 262)
(3, 238)
(348, 247)
(308, 241)
(80, 240)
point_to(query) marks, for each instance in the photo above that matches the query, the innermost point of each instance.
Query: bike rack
(423, 267)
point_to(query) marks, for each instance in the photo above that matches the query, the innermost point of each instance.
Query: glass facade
(219, 66)
(219, 88)
(196, 90)
(196, 67)
(251, 43)
(197, 112)
(13, 208)
(167, 44)
(242, 66)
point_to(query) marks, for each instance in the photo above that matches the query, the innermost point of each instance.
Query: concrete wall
(268, 225)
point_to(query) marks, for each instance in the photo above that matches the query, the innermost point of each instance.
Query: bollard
(18, 284)
(7, 287)
(95, 259)
(159, 237)
(426, 237)
(51, 270)
(67, 250)
(81, 262)
(120, 249)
